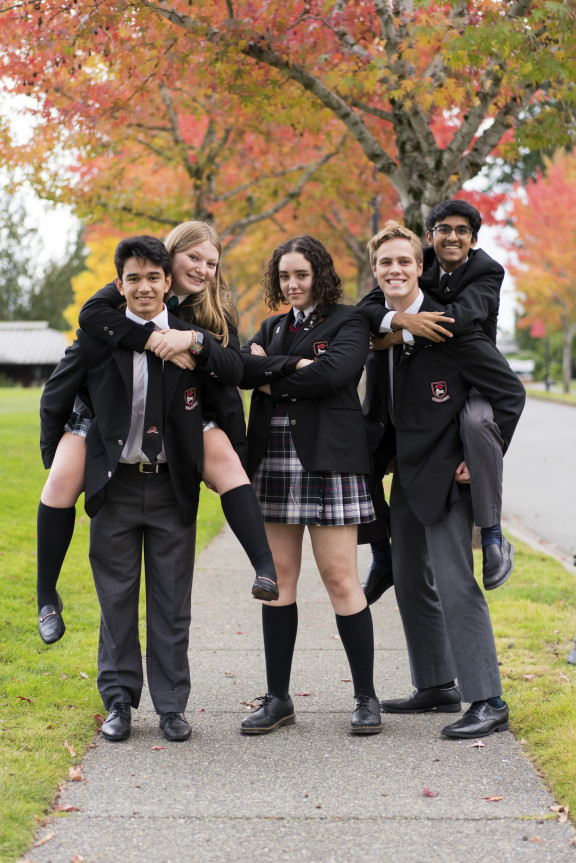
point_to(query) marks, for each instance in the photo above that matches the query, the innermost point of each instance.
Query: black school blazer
(323, 404)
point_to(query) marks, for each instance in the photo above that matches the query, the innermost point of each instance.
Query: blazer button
(293, 400)
(105, 329)
(292, 422)
(110, 332)
(267, 373)
(120, 443)
(109, 474)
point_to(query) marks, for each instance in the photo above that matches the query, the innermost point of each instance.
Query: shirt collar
(414, 307)
(307, 312)
(160, 321)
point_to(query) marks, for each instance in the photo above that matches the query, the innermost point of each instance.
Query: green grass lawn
(555, 395)
(48, 694)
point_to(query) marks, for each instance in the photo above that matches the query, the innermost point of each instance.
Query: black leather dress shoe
(265, 586)
(270, 715)
(174, 726)
(497, 563)
(117, 724)
(433, 700)
(479, 720)
(50, 623)
(366, 716)
(376, 582)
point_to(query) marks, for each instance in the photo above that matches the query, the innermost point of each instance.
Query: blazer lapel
(125, 363)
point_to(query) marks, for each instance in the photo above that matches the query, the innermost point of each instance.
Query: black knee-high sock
(243, 514)
(279, 627)
(55, 528)
(357, 635)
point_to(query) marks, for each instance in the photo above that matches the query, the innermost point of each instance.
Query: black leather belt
(144, 467)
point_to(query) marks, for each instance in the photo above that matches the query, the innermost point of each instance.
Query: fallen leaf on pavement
(64, 807)
(346, 680)
(47, 838)
(229, 674)
(202, 710)
(562, 812)
(429, 793)
(75, 774)
(77, 858)
(336, 637)
(70, 749)
(535, 839)
(158, 747)
(493, 799)
(306, 693)
(240, 633)
(478, 744)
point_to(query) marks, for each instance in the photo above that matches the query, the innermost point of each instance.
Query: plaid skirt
(288, 494)
(77, 424)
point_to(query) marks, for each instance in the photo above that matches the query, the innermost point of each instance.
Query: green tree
(56, 293)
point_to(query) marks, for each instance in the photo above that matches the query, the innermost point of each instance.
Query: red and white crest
(190, 400)
(320, 348)
(439, 391)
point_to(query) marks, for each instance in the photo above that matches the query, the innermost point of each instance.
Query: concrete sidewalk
(310, 792)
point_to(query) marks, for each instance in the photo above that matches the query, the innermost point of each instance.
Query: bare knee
(222, 466)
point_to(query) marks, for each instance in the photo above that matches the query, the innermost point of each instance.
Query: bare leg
(224, 473)
(56, 515)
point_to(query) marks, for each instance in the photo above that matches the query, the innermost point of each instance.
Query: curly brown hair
(326, 285)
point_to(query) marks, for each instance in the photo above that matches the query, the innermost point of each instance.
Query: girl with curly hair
(308, 456)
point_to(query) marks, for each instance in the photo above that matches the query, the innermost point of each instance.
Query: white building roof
(28, 343)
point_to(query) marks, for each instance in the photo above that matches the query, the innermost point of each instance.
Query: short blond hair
(395, 231)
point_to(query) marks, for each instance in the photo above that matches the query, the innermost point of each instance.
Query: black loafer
(174, 726)
(497, 563)
(265, 586)
(270, 715)
(376, 582)
(50, 623)
(366, 717)
(432, 700)
(479, 720)
(117, 724)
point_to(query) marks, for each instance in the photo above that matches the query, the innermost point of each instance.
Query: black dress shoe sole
(286, 720)
(264, 592)
(116, 738)
(506, 575)
(435, 708)
(463, 735)
(179, 738)
(366, 729)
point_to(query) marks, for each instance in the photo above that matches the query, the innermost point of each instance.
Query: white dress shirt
(132, 452)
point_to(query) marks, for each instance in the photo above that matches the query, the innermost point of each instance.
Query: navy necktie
(300, 318)
(153, 412)
(443, 285)
(172, 303)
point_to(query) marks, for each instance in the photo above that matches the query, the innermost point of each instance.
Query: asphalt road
(540, 474)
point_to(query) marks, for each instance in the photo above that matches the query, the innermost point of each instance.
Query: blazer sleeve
(223, 364)
(100, 317)
(482, 365)
(374, 308)
(342, 363)
(471, 306)
(57, 400)
(264, 370)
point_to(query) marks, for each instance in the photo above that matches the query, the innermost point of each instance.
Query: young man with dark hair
(420, 391)
(143, 470)
(461, 288)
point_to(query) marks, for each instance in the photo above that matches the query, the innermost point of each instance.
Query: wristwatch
(198, 345)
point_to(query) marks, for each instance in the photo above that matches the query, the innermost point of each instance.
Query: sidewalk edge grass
(49, 702)
(534, 619)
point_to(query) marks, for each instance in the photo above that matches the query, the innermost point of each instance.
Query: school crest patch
(439, 391)
(320, 348)
(190, 400)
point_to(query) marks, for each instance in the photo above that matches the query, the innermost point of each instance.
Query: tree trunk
(568, 335)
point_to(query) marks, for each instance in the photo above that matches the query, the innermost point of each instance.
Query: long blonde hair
(214, 307)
